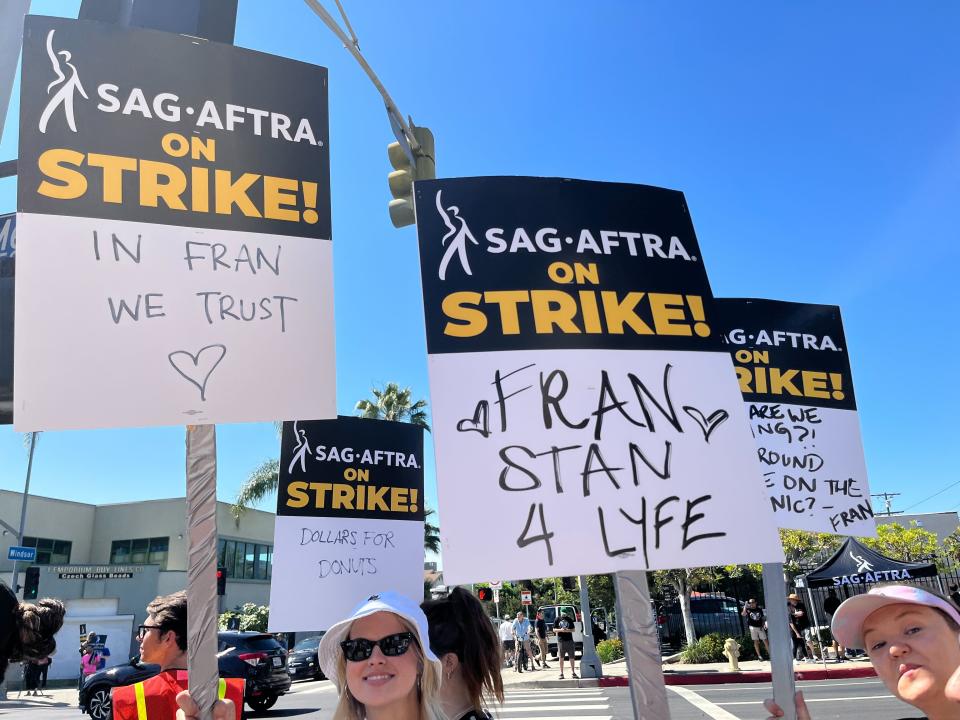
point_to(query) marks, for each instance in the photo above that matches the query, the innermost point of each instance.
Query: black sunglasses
(142, 630)
(360, 649)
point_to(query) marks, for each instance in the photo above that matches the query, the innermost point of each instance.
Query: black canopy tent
(854, 566)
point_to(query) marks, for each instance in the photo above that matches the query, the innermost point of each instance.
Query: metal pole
(816, 626)
(781, 646)
(202, 599)
(589, 661)
(638, 630)
(23, 506)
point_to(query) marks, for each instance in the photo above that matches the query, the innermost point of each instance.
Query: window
(245, 561)
(49, 552)
(141, 551)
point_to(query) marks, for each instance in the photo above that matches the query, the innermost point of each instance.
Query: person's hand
(777, 712)
(222, 709)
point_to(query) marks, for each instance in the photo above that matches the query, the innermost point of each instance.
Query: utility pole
(23, 508)
(887, 503)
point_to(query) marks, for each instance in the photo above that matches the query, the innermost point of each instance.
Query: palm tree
(431, 533)
(392, 403)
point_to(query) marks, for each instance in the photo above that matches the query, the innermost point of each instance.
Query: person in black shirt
(755, 621)
(800, 628)
(541, 628)
(565, 646)
(830, 606)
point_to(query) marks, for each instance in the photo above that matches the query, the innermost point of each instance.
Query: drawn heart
(198, 368)
(480, 422)
(707, 424)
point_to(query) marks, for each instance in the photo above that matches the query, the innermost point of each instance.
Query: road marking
(701, 703)
(766, 686)
(503, 710)
(813, 700)
(325, 687)
(535, 701)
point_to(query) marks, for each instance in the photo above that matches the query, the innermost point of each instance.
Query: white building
(147, 537)
(940, 524)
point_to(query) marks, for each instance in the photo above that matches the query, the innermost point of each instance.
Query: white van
(550, 615)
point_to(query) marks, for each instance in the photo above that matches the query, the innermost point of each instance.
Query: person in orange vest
(163, 641)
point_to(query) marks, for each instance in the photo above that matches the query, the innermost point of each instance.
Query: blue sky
(818, 146)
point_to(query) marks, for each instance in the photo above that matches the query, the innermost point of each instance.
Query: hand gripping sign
(794, 370)
(349, 518)
(582, 395)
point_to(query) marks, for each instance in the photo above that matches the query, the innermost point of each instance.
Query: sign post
(638, 623)
(781, 644)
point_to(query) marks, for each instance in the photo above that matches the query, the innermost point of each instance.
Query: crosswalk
(552, 703)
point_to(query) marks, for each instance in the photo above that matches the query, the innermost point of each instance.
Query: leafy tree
(252, 617)
(392, 403)
(683, 581)
(803, 550)
(431, 533)
(910, 544)
(951, 546)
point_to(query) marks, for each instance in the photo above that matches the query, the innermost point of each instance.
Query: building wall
(941, 524)
(47, 518)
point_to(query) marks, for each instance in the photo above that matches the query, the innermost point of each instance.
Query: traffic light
(568, 583)
(404, 173)
(484, 594)
(221, 581)
(31, 583)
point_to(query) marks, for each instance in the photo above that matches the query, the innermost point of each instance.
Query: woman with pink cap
(912, 637)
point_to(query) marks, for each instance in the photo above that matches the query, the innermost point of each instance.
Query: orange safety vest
(156, 697)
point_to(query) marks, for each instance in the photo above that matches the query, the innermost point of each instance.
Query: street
(317, 701)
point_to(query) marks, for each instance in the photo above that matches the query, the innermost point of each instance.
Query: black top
(541, 626)
(830, 605)
(755, 616)
(798, 616)
(8, 631)
(564, 628)
(474, 715)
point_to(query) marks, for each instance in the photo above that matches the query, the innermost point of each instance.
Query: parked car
(302, 662)
(255, 657)
(710, 613)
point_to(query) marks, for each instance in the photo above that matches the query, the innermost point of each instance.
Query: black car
(255, 657)
(302, 663)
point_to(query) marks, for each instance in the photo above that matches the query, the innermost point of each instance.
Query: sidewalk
(58, 697)
(751, 671)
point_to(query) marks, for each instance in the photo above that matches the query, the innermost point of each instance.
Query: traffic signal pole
(23, 508)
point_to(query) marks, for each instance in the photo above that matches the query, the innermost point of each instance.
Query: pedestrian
(755, 616)
(506, 640)
(955, 595)
(31, 676)
(380, 660)
(800, 629)
(469, 651)
(540, 626)
(27, 630)
(521, 635)
(88, 664)
(599, 634)
(830, 606)
(912, 637)
(565, 646)
(163, 642)
(43, 665)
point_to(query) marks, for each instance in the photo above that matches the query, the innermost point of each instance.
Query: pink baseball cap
(848, 621)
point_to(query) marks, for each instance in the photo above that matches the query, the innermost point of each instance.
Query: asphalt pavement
(855, 698)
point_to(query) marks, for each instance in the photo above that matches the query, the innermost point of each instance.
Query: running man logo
(66, 93)
(863, 566)
(458, 233)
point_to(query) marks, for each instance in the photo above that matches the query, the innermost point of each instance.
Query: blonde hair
(428, 686)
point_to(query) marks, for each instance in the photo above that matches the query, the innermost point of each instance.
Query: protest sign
(794, 370)
(349, 518)
(174, 216)
(8, 251)
(581, 396)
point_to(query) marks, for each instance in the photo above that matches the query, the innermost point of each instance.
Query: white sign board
(580, 394)
(794, 371)
(526, 597)
(175, 263)
(349, 519)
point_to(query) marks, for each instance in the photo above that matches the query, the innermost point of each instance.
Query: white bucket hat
(391, 602)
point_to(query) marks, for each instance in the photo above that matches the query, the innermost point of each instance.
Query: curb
(720, 678)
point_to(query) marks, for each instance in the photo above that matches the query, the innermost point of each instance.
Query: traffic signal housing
(405, 173)
(568, 583)
(31, 583)
(485, 594)
(221, 581)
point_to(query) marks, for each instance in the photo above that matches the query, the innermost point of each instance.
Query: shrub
(707, 649)
(610, 650)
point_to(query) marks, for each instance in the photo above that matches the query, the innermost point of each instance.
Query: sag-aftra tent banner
(586, 415)
(174, 255)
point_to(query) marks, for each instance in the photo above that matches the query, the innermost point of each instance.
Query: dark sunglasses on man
(360, 649)
(142, 630)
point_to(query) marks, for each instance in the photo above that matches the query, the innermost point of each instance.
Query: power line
(886, 501)
(940, 492)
